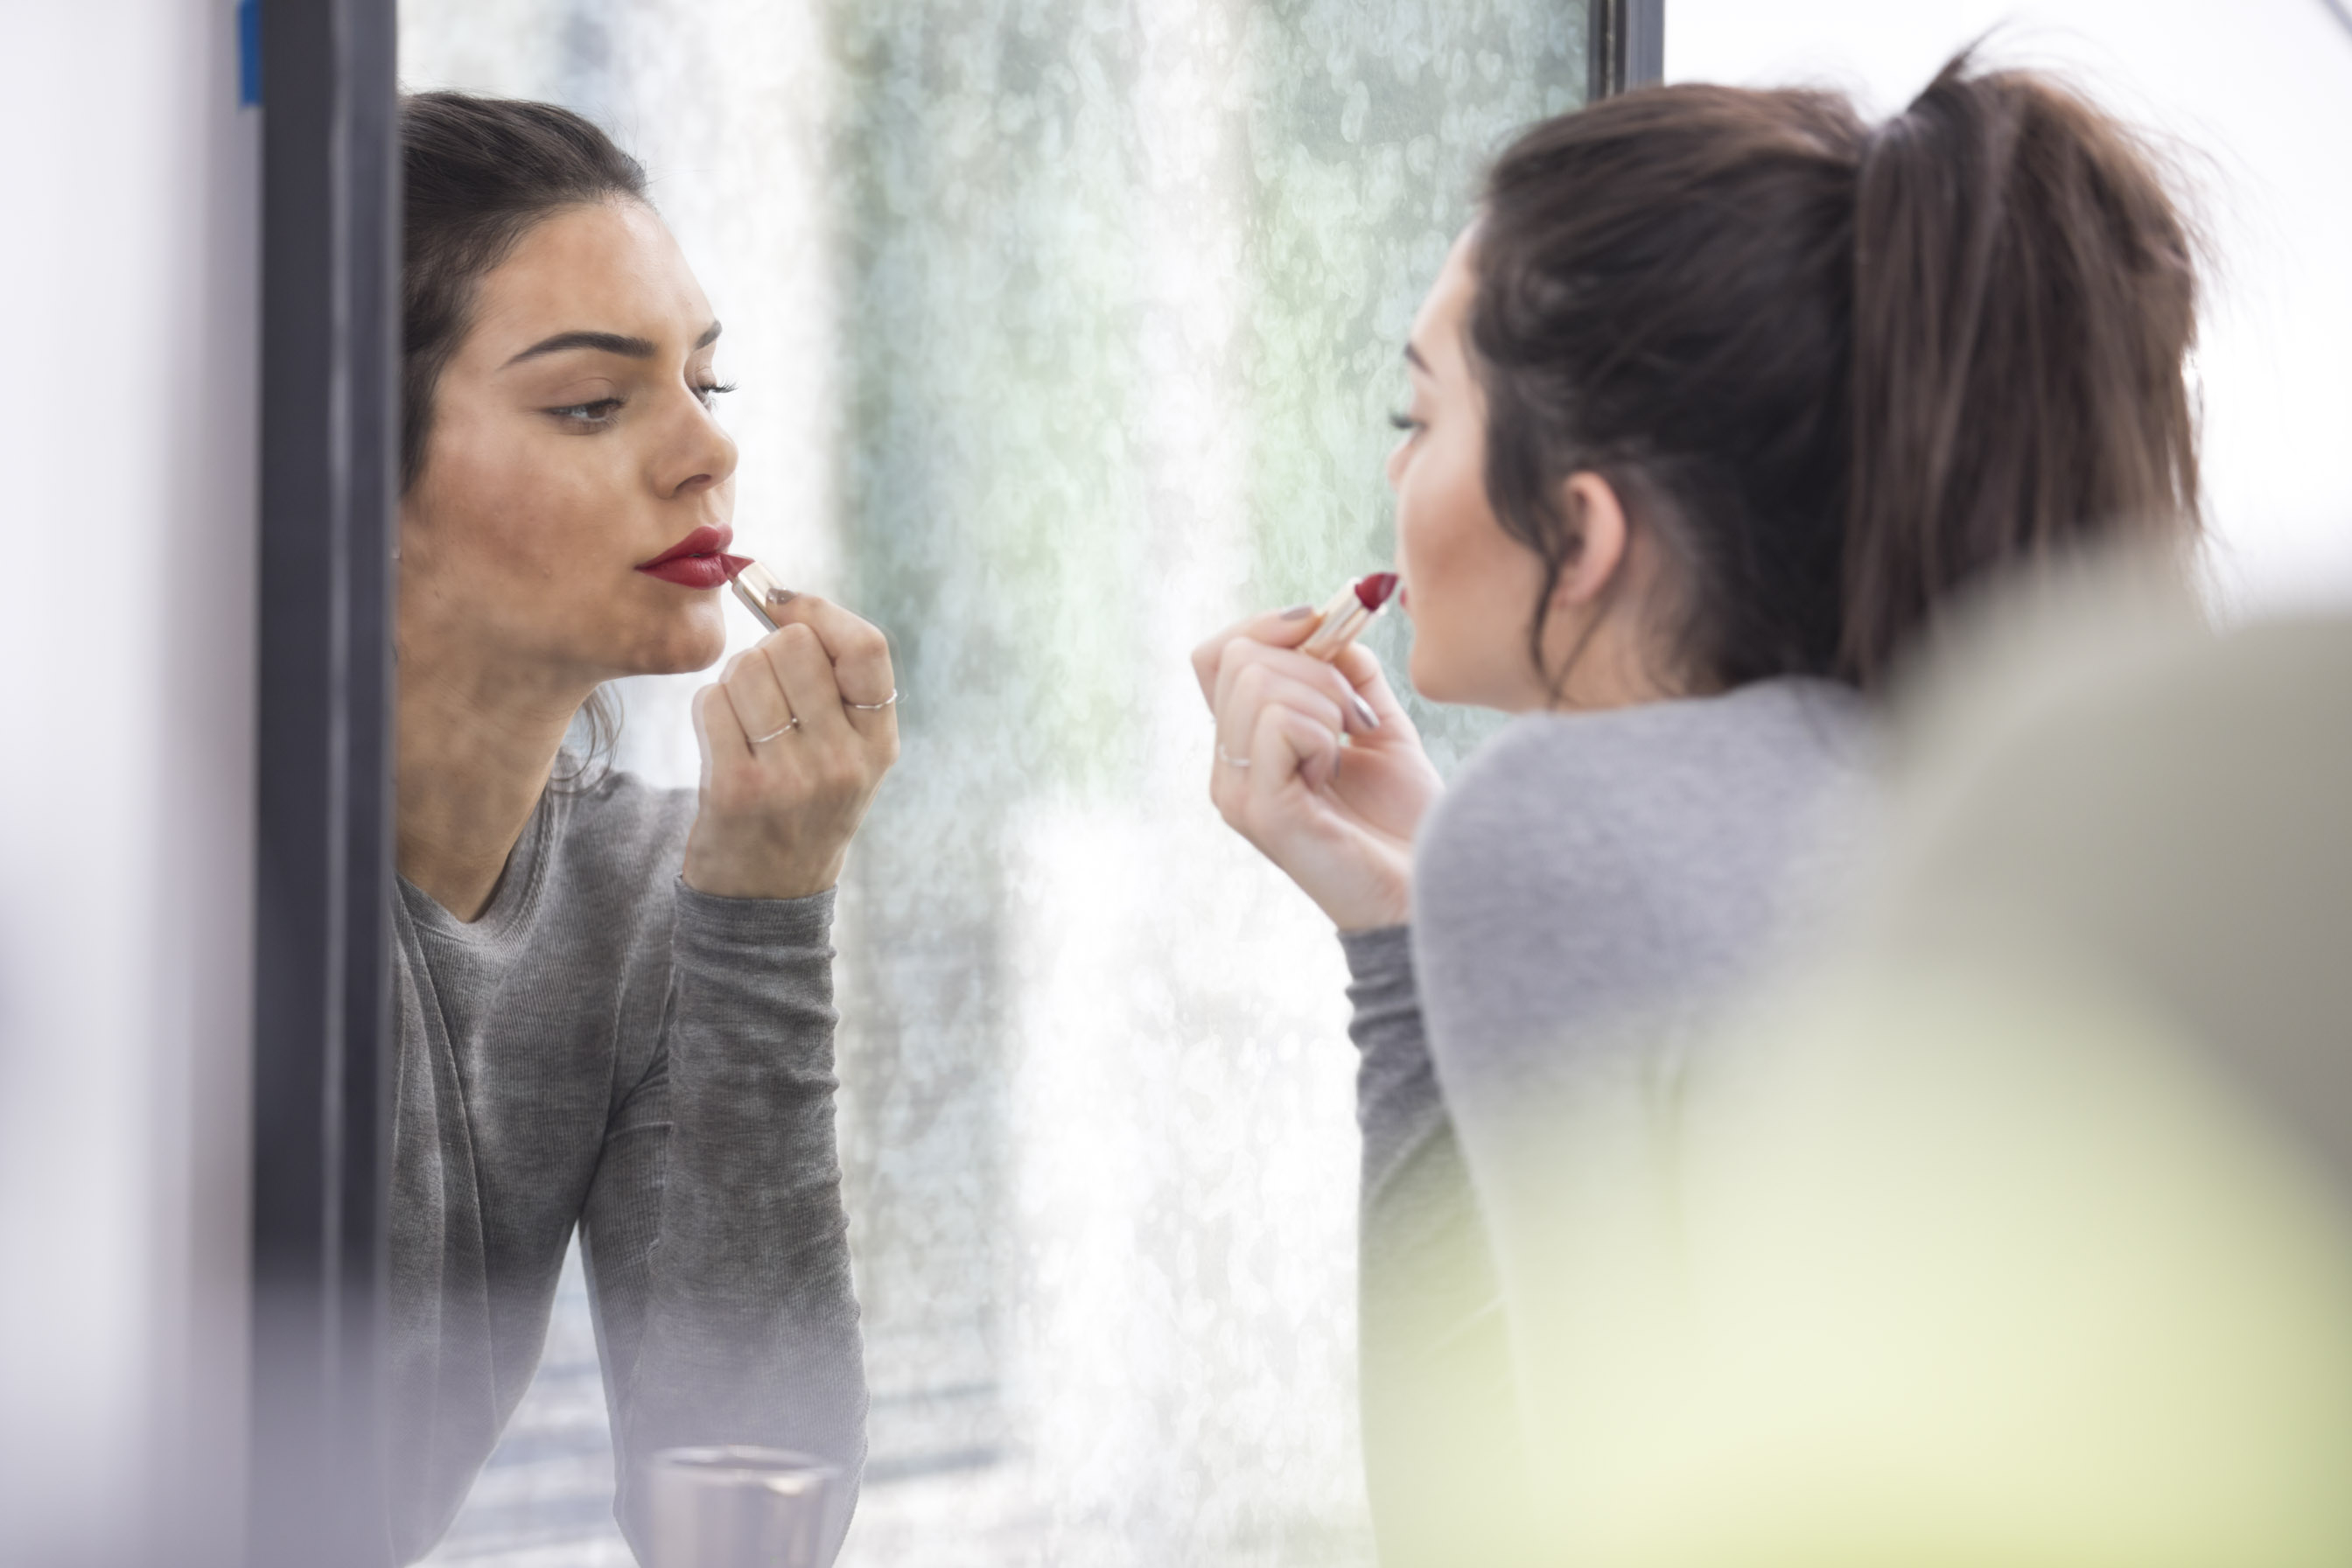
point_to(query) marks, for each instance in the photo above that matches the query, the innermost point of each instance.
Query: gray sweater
(1589, 887)
(605, 1046)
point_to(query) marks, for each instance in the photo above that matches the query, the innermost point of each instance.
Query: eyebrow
(606, 342)
(1412, 357)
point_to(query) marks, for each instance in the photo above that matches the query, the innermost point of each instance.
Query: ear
(1597, 518)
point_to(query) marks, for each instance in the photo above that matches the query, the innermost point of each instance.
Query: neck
(477, 743)
(1607, 653)
(1598, 665)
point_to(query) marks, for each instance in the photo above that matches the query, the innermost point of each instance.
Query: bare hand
(780, 800)
(1331, 799)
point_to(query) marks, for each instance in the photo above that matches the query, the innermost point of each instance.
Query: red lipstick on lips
(698, 561)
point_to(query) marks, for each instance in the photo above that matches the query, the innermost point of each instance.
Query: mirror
(1062, 335)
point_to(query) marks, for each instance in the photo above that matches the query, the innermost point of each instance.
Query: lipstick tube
(1351, 609)
(761, 590)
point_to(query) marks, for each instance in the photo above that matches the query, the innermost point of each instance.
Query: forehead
(609, 266)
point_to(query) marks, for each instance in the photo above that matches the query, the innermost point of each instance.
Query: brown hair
(1837, 373)
(476, 174)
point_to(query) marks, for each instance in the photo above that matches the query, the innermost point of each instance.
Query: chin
(1426, 674)
(1476, 682)
(692, 641)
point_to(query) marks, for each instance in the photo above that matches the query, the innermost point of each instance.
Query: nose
(699, 456)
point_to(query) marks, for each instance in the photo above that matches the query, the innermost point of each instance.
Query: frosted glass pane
(1066, 332)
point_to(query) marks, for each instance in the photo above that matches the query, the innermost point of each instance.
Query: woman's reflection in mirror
(614, 1003)
(1718, 403)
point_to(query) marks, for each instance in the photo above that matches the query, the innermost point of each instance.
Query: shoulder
(1665, 780)
(1656, 841)
(1592, 874)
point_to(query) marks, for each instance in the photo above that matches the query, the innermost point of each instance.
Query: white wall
(126, 705)
(2256, 97)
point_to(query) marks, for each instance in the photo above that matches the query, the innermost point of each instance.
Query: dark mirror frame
(1627, 39)
(329, 416)
(322, 1062)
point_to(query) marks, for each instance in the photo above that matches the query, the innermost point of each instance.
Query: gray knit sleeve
(717, 1246)
(1398, 1108)
(1442, 1465)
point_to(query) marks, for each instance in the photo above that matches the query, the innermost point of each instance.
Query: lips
(698, 561)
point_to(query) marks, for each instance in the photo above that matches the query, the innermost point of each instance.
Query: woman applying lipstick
(1717, 405)
(614, 1004)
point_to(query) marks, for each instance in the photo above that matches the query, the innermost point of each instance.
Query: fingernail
(1364, 714)
(783, 595)
(1297, 611)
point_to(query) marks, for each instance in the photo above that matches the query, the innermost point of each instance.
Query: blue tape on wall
(248, 51)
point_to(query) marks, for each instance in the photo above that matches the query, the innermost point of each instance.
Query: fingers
(1362, 672)
(775, 819)
(1248, 665)
(1252, 686)
(859, 653)
(803, 677)
(757, 699)
(1277, 628)
(1283, 744)
(1257, 696)
(1290, 742)
(717, 731)
(818, 666)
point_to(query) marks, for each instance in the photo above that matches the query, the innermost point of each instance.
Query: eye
(590, 415)
(713, 389)
(1405, 422)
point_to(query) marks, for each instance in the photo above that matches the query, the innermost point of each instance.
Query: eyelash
(1404, 422)
(579, 413)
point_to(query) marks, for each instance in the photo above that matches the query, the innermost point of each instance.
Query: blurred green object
(2016, 1232)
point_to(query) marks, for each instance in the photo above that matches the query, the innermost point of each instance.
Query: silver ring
(788, 729)
(873, 707)
(1232, 761)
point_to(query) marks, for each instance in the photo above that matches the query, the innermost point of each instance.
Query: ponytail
(2024, 302)
(1836, 372)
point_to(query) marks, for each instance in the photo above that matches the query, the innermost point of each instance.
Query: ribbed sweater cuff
(754, 926)
(1379, 967)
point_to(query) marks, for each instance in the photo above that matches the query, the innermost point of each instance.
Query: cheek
(494, 515)
(506, 546)
(523, 544)
(1470, 585)
(1429, 555)
(1440, 520)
